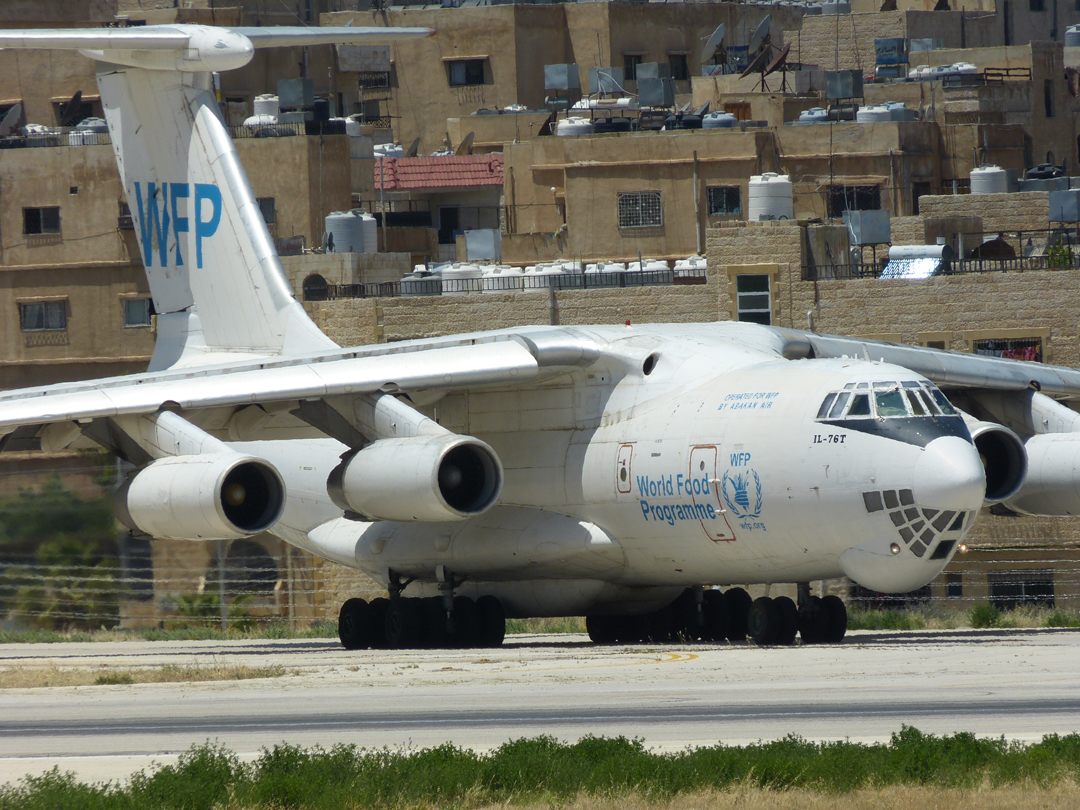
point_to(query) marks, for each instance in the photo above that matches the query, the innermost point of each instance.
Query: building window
(1037, 5)
(266, 207)
(630, 65)
(753, 298)
(954, 585)
(853, 198)
(918, 190)
(43, 316)
(41, 220)
(137, 311)
(640, 209)
(680, 70)
(1010, 348)
(740, 109)
(374, 79)
(724, 200)
(466, 72)
(1015, 588)
(1048, 97)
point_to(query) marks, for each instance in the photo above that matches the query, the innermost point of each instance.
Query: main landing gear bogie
(401, 622)
(708, 615)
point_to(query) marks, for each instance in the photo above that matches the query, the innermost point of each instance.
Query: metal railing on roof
(336, 127)
(67, 136)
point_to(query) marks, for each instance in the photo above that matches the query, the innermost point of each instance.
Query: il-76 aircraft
(623, 473)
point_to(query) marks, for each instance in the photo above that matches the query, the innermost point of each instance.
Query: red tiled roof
(451, 171)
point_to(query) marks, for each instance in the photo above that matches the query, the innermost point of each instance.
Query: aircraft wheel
(352, 624)
(629, 629)
(404, 624)
(814, 622)
(491, 624)
(715, 612)
(834, 608)
(658, 627)
(466, 622)
(684, 617)
(435, 619)
(738, 602)
(376, 620)
(600, 629)
(763, 623)
(789, 620)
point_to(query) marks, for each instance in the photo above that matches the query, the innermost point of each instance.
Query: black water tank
(602, 125)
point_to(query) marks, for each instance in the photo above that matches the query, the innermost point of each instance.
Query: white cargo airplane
(616, 472)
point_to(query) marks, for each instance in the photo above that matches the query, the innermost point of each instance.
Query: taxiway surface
(1017, 683)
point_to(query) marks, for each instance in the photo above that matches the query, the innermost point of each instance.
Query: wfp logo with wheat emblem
(742, 493)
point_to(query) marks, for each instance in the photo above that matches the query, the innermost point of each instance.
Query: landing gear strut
(402, 622)
(822, 620)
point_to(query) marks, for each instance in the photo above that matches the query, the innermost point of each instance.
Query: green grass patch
(257, 632)
(545, 771)
(559, 624)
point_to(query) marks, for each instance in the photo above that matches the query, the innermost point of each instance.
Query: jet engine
(419, 478)
(1003, 457)
(1052, 485)
(221, 496)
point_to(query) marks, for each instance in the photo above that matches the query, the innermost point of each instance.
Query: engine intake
(1003, 457)
(211, 497)
(420, 478)
(1052, 485)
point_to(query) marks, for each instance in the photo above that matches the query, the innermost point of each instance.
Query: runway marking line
(669, 658)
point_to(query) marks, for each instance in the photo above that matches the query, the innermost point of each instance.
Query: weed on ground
(31, 677)
(594, 772)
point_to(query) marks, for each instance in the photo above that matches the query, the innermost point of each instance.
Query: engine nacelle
(222, 496)
(1003, 457)
(421, 478)
(1052, 486)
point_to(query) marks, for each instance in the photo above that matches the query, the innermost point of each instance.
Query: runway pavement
(1019, 683)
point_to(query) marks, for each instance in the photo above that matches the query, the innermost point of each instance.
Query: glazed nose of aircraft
(949, 475)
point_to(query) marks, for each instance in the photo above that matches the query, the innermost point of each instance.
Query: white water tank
(352, 231)
(267, 104)
(813, 115)
(538, 278)
(647, 266)
(719, 120)
(502, 278)
(873, 113)
(573, 126)
(989, 180)
(462, 279)
(1072, 36)
(388, 150)
(771, 197)
(421, 282)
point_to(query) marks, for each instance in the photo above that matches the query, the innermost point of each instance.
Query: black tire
(763, 623)
(404, 624)
(738, 602)
(435, 620)
(813, 622)
(716, 614)
(657, 627)
(629, 629)
(601, 629)
(684, 617)
(491, 624)
(789, 620)
(352, 625)
(377, 609)
(834, 607)
(466, 622)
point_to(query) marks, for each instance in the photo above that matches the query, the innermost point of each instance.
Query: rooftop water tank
(873, 113)
(719, 120)
(461, 279)
(989, 180)
(814, 114)
(574, 126)
(502, 278)
(267, 104)
(771, 197)
(540, 277)
(388, 150)
(1072, 36)
(421, 282)
(351, 232)
(605, 125)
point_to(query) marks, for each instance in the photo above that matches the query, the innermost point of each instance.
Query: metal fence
(336, 127)
(58, 137)
(504, 284)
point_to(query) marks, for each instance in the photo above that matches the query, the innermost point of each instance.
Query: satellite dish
(465, 147)
(757, 65)
(760, 35)
(10, 119)
(704, 108)
(684, 107)
(780, 60)
(712, 43)
(71, 109)
(414, 147)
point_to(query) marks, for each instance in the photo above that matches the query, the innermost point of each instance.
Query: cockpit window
(890, 403)
(860, 406)
(886, 399)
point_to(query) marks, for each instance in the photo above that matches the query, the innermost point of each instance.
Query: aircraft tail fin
(215, 278)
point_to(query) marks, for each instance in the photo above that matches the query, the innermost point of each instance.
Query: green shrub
(985, 615)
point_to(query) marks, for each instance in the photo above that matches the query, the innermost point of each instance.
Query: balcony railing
(336, 127)
(58, 137)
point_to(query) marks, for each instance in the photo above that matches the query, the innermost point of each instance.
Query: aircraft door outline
(624, 479)
(703, 461)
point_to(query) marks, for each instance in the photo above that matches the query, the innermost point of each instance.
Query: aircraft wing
(270, 37)
(489, 359)
(946, 369)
